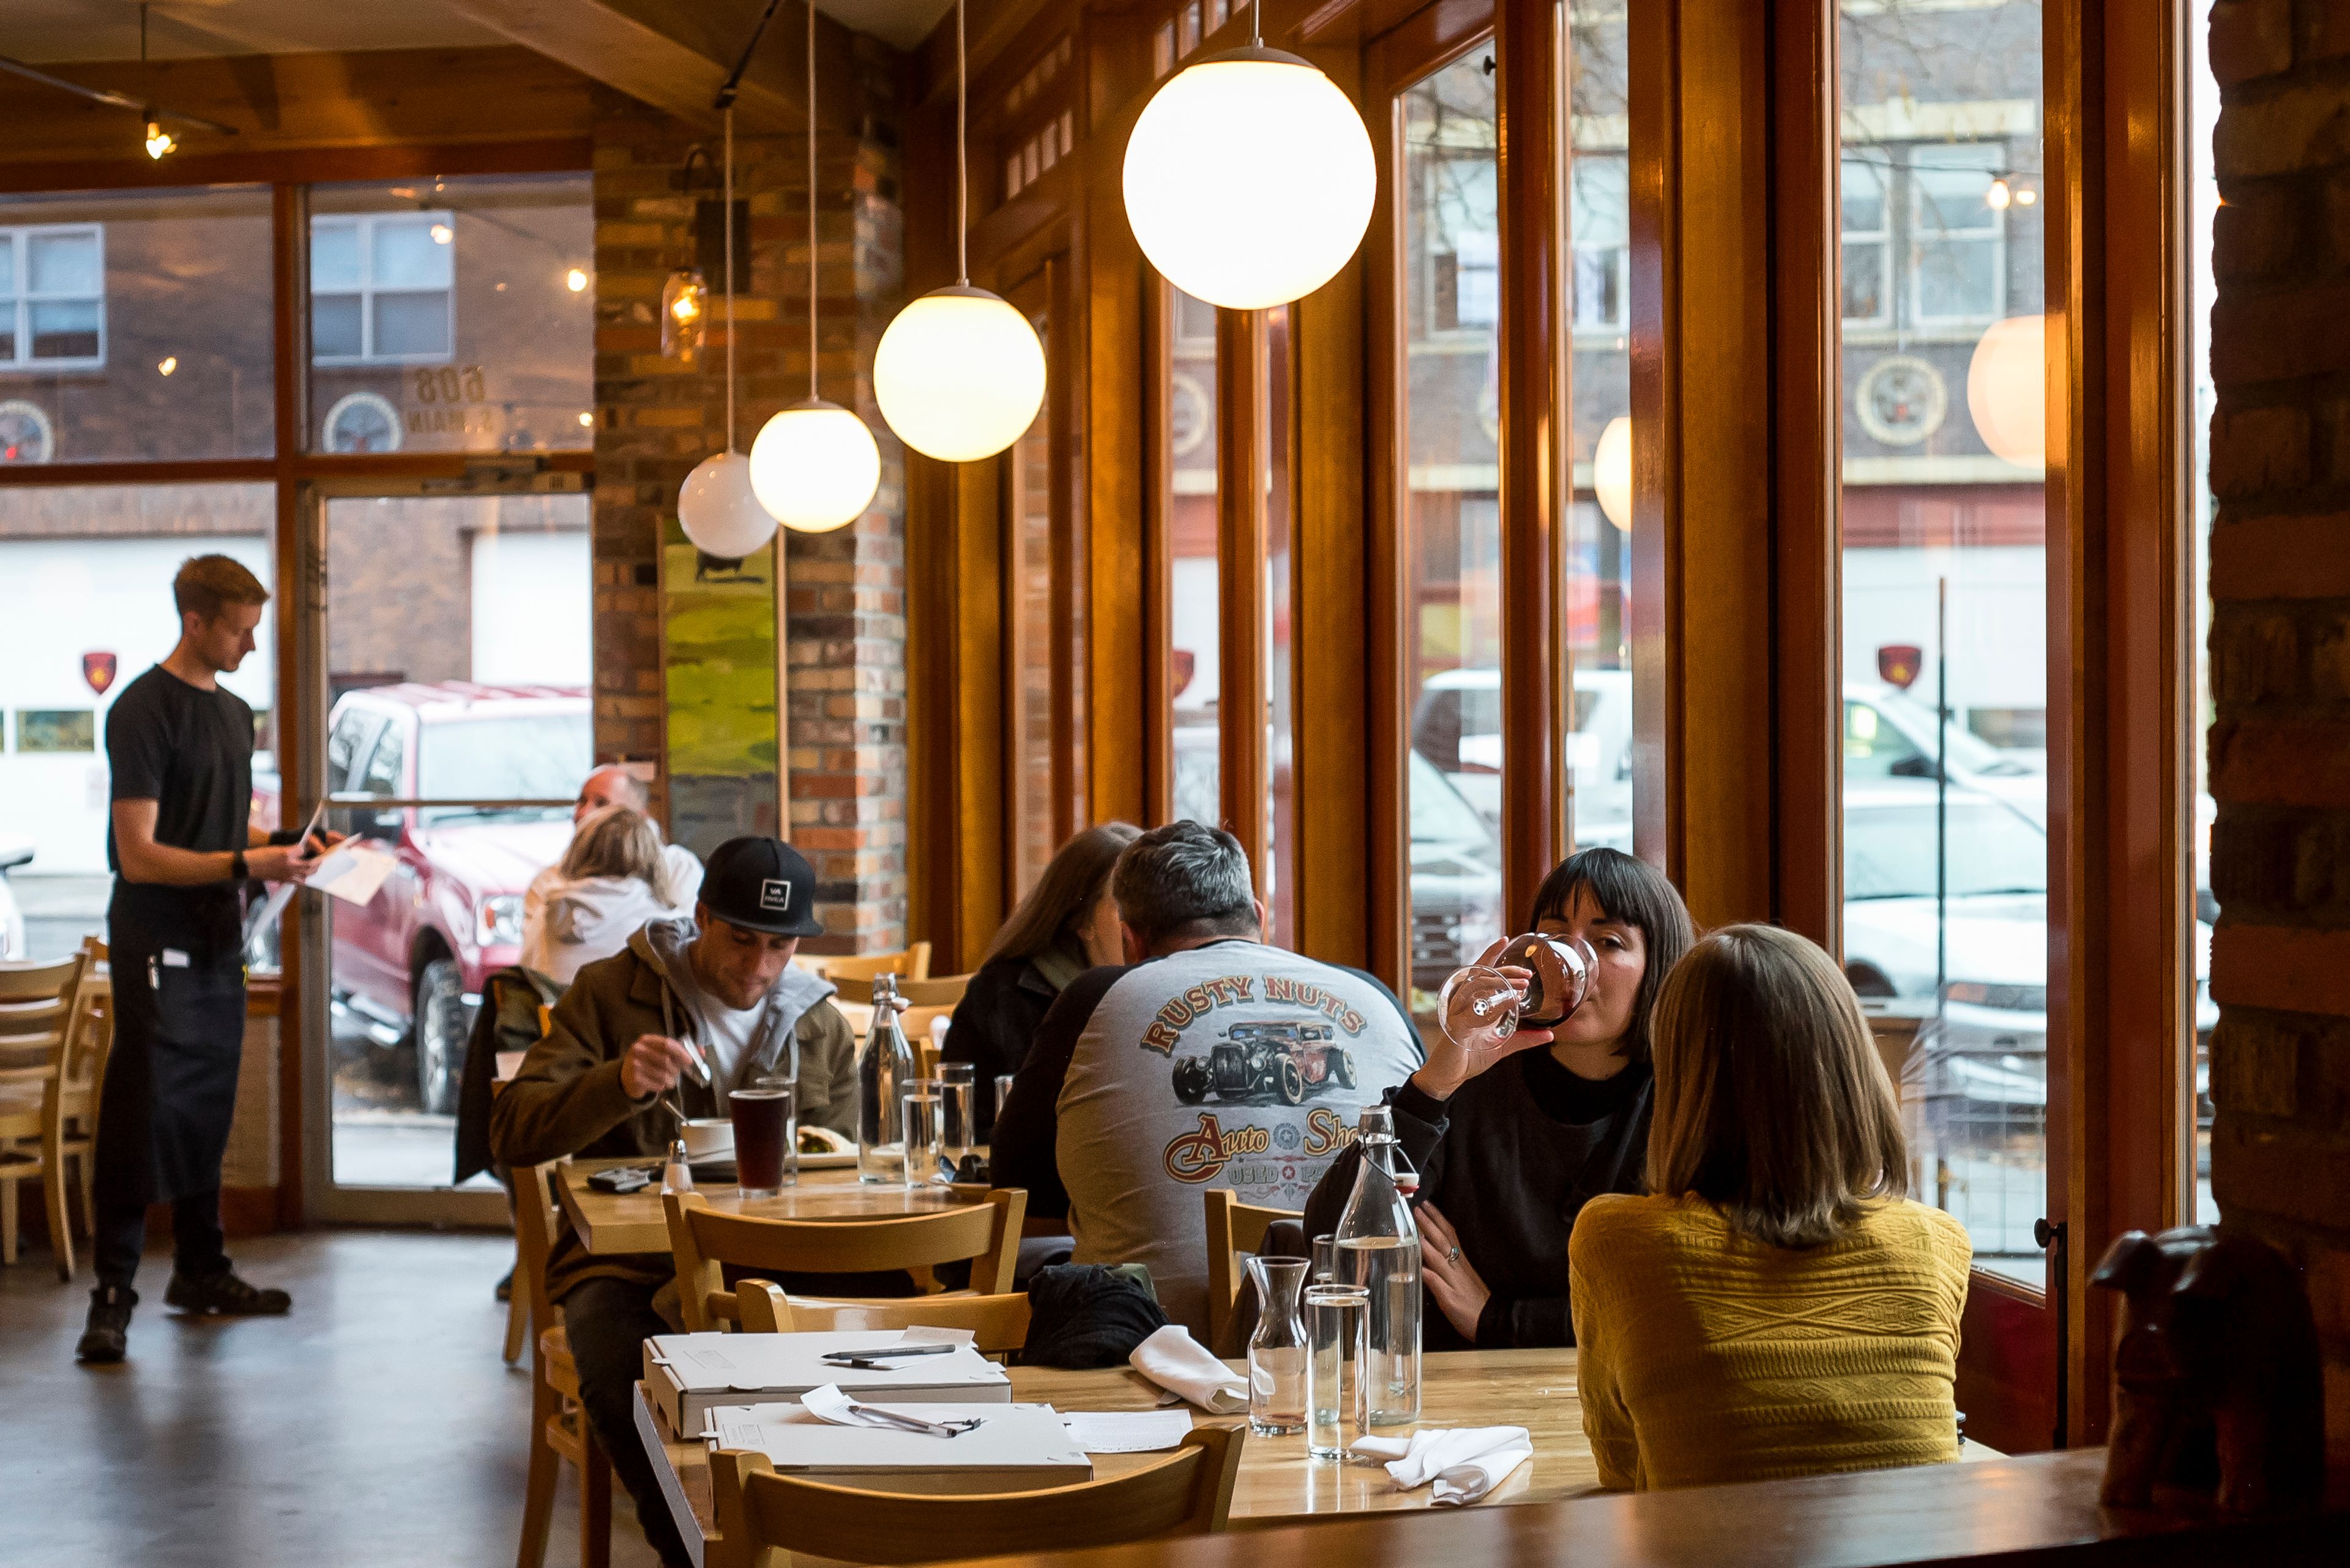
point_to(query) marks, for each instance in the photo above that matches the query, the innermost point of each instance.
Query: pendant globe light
(960, 374)
(815, 465)
(1249, 177)
(717, 507)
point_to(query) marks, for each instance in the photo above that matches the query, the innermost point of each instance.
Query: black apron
(170, 1092)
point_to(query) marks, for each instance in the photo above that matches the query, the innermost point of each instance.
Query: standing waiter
(181, 748)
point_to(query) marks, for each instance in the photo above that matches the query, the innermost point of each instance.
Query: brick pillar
(844, 654)
(2279, 743)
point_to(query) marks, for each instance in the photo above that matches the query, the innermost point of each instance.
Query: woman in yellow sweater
(1776, 1306)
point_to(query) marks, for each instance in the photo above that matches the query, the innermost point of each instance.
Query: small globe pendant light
(1249, 177)
(716, 506)
(815, 466)
(959, 373)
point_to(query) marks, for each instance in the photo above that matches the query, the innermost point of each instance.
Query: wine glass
(1535, 979)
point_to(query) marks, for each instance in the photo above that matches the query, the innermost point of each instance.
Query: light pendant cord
(811, 199)
(729, 226)
(1256, 24)
(962, 161)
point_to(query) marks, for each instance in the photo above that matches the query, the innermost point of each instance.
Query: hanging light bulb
(815, 465)
(575, 280)
(684, 305)
(716, 506)
(959, 373)
(1611, 472)
(1249, 178)
(159, 140)
(1998, 196)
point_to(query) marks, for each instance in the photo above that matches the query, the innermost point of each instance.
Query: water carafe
(884, 1069)
(1483, 1005)
(1277, 1351)
(1378, 1243)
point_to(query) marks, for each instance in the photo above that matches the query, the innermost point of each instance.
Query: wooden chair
(1233, 1227)
(706, 1241)
(36, 1010)
(911, 963)
(939, 995)
(762, 1514)
(89, 1039)
(998, 1324)
(559, 1423)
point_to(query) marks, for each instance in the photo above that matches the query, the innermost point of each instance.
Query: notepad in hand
(1014, 1447)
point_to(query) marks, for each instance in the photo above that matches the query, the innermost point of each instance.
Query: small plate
(841, 1159)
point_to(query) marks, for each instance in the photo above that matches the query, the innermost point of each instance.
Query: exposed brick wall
(2281, 646)
(845, 658)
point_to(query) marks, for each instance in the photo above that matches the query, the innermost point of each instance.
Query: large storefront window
(84, 609)
(135, 325)
(1945, 588)
(1452, 518)
(1194, 632)
(1028, 539)
(1599, 521)
(1280, 818)
(452, 315)
(2197, 1206)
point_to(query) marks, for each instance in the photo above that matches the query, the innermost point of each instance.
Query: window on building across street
(53, 295)
(1925, 203)
(1464, 241)
(1868, 244)
(381, 287)
(1601, 233)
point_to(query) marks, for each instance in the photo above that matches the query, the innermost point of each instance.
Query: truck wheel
(1191, 1080)
(1342, 1068)
(441, 1023)
(1289, 1082)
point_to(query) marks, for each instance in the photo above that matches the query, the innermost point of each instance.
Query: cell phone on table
(621, 1179)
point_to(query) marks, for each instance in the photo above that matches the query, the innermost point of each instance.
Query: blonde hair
(618, 842)
(1771, 1102)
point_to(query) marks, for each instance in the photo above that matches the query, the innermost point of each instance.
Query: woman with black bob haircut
(1512, 1140)
(1066, 925)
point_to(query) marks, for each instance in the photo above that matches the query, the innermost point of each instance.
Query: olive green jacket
(566, 1099)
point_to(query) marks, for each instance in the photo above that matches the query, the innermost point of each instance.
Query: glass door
(448, 674)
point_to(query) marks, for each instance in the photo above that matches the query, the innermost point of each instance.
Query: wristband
(236, 872)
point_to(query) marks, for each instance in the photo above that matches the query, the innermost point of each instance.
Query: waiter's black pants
(198, 1247)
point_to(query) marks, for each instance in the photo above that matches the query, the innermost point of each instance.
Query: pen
(872, 1358)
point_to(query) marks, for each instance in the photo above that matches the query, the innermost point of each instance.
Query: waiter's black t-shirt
(191, 751)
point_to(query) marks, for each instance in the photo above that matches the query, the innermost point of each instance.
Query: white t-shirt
(721, 1031)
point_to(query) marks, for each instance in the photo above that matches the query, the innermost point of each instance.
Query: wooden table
(1278, 1483)
(633, 1222)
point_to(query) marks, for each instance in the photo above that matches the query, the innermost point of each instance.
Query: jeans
(198, 1247)
(608, 1321)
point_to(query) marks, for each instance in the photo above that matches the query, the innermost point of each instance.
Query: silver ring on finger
(1453, 1256)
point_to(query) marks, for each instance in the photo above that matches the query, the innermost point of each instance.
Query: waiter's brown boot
(107, 1335)
(225, 1295)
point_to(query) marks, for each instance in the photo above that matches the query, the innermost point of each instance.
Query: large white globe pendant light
(2007, 389)
(716, 506)
(959, 373)
(1611, 473)
(815, 465)
(1249, 178)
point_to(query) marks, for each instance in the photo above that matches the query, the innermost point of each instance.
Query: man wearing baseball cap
(688, 1011)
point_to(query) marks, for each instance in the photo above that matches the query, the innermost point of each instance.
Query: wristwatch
(236, 872)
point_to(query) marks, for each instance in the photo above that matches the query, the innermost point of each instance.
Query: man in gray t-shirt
(1210, 1059)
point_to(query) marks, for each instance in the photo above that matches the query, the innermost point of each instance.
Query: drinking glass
(925, 1125)
(1002, 1093)
(959, 1084)
(763, 1133)
(1326, 1260)
(791, 1172)
(1536, 979)
(1333, 1324)
(1276, 1350)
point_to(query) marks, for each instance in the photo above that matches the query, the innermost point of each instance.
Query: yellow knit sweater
(1706, 1357)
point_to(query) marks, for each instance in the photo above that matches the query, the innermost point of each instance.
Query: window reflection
(2196, 1205)
(1945, 586)
(1452, 523)
(1281, 826)
(1192, 663)
(1029, 511)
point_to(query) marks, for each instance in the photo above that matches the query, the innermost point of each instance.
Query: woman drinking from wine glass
(1511, 1137)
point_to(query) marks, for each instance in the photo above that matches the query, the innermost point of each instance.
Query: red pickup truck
(407, 968)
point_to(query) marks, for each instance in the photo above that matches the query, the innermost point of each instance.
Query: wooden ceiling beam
(675, 54)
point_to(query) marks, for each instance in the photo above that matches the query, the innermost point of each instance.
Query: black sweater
(995, 1023)
(1510, 1158)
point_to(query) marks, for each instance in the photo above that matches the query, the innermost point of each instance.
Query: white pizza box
(688, 1374)
(1016, 1447)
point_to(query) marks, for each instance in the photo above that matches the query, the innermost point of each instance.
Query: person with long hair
(616, 875)
(1066, 925)
(1511, 1141)
(1775, 1305)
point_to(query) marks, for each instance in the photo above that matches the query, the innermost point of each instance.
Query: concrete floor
(374, 1426)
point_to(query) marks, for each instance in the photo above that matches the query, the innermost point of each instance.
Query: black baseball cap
(762, 885)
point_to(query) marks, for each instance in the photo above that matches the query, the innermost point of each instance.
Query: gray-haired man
(1208, 1059)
